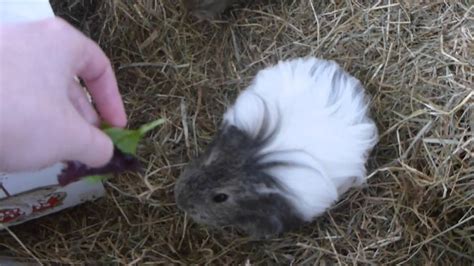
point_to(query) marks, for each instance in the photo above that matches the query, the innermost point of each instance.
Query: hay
(416, 61)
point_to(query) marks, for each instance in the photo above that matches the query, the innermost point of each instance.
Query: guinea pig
(293, 142)
(207, 9)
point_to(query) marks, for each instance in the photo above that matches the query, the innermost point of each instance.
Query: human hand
(45, 116)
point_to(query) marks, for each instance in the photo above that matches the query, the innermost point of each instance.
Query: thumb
(87, 143)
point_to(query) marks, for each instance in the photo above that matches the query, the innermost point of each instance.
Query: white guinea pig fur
(323, 111)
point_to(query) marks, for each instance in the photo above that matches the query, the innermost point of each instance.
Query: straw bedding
(415, 59)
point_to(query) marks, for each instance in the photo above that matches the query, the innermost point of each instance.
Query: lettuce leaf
(124, 159)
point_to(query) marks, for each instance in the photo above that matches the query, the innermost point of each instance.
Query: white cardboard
(29, 195)
(13, 11)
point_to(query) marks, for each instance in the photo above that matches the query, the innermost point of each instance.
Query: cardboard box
(30, 195)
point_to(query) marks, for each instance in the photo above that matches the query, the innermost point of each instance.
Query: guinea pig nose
(183, 203)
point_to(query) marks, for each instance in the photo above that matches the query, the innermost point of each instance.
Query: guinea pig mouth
(181, 200)
(201, 219)
(205, 219)
(185, 206)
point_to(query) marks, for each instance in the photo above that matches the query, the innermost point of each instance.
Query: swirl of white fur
(324, 129)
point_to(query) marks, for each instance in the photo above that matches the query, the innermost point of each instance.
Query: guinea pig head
(228, 185)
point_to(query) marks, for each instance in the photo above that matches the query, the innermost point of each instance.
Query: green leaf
(126, 140)
(97, 178)
(147, 127)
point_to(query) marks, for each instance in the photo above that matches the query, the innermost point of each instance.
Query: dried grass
(416, 61)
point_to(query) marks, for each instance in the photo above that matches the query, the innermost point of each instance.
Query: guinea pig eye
(221, 197)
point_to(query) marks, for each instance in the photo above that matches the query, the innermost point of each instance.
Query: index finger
(95, 69)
